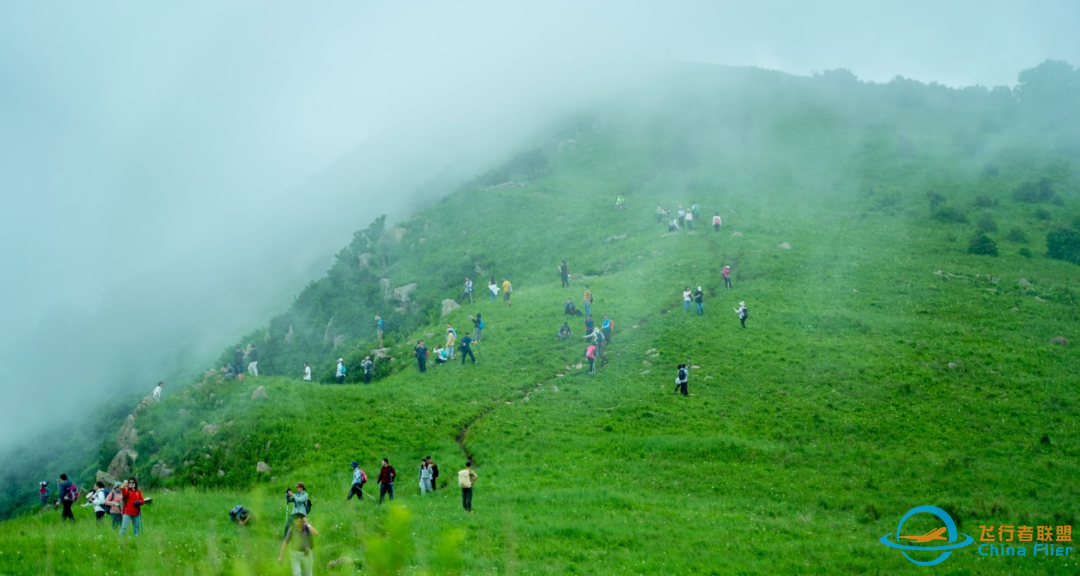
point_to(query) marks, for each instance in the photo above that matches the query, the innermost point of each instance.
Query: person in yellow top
(587, 301)
(507, 290)
(467, 479)
(451, 337)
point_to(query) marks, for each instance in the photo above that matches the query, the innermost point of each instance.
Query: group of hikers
(242, 358)
(684, 217)
(124, 502)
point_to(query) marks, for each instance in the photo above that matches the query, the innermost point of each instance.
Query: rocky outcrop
(262, 468)
(392, 236)
(343, 562)
(289, 335)
(784, 246)
(105, 478)
(449, 306)
(259, 393)
(120, 467)
(161, 470)
(145, 404)
(128, 436)
(1060, 340)
(364, 260)
(403, 293)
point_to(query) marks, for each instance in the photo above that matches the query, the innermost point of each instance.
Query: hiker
(673, 225)
(467, 293)
(589, 324)
(299, 531)
(425, 477)
(307, 372)
(597, 338)
(478, 328)
(240, 515)
(681, 378)
(699, 297)
(620, 202)
(253, 360)
(43, 492)
(564, 273)
(451, 337)
(97, 498)
(421, 356)
(586, 300)
(467, 479)
(507, 290)
(441, 356)
(300, 500)
(569, 309)
(741, 311)
(156, 394)
(726, 273)
(386, 480)
(359, 478)
(228, 372)
(606, 324)
(367, 365)
(716, 222)
(434, 473)
(339, 374)
(115, 500)
(687, 296)
(379, 326)
(564, 331)
(238, 363)
(695, 210)
(133, 503)
(660, 214)
(493, 288)
(590, 353)
(466, 350)
(682, 217)
(689, 221)
(68, 493)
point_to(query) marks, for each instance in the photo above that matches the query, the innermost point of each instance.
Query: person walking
(299, 532)
(367, 365)
(451, 337)
(695, 210)
(421, 356)
(589, 324)
(43, 492)
(478, 328)
(68, 493)
(564, 273)
(586, 300)
(466, 480)
(590, 354)
(682, 217)
(466, 350)
(97, 499)
(238, 363)
(156, 394)
(434, 473)
(359, 478)
(507, 290)
(726, 273)
(699, 298)
(253, 361)
(681, 379)
(386, 480)
(467, 291)
(689, 221)
(339, 374)
(133, 503)
(716, 222)
(300, 500)
(660, 214)
(687, 297)
(307, 372)
(606, 325)
(425, 477)
(493, 288)
(741, 311)
(115, 501)
(379, 326)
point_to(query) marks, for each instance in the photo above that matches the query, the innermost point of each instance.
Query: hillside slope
(883, 366)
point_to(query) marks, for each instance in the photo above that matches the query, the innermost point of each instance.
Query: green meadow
(883, 365)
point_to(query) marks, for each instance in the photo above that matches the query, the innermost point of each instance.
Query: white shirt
(307, 372)
(339, 369)
(157, 394)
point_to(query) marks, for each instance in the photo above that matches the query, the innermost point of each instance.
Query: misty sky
(140, 138)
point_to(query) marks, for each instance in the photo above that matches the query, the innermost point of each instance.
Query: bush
(984, 201)
(987, 224)
(983, 245)
(1042, 214)
(1033, 193)
(1063, 244)
(1017, 236)
(935, 199)
(1026, 253)
(950, 215)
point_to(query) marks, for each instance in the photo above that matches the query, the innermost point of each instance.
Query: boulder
(128, 436)
(259, 393)
(610, 239)
(392, 236)
(342, 562)
(784, 246)
(402, 293)
(144, 404)
(365, 259)
(220, 473)
(1024, 282)
(449, 306)
(737, 234)
(1060, 340)
(161, 470)
(289, 335)
(211, 429)
(262, 468)
(339, 340)
(120, 467)
(105, 478)
(384, 285)
(380, 353)
(267, 338)
(1014, 309)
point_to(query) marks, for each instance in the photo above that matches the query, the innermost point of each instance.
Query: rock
(289, 335)
(995, 280)
(554, 388)
(339, 340)
(1037, 299)
(146, 403)
(384, 285)
(1024, 282)
(577, 276)
(342, 562)
(380, 353)
(211, 429)
(267, 338)
(128, 436)
(644, 372)
(392, 235)
(262, 468)
(1060, 340)
(259, 393)
(188, 463)
(646, 362)
(616, 237)
(364, 260)
(220, 473)
(161, 470)
(105, 478)
(449, 306)
(953, 365)
(784, 246)
(402, 293)
(939, 272)
(182, 412)
(1014, 309)
(657, 253)
(737, 234)
(479, 271)
(120, 467)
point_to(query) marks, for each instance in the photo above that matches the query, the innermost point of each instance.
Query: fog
(170, 175)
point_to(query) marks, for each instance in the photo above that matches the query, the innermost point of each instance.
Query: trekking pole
(368, 495)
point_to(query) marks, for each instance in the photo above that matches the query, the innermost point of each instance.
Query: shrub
(984, 201)
(1033, 193)
(935, 199)
(987, 224)
(1017, 236)
(1042, 214)
(1063, 244)
(1026, 253)
(949, 214)
(983, 245)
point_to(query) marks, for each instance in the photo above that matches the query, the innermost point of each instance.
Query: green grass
(882, 368)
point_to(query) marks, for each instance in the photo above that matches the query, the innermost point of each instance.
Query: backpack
(682, 374)
(344, 370)
(481, 324)
(745, 312)
(72, 493)
(363, 477)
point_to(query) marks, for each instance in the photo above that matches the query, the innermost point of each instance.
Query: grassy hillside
(883, 366)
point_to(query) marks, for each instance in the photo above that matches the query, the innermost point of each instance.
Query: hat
(742, 303)
(300, 485)
(340, 359)
(727, 266)
(355, 464)
(117, 485)
(44, 483)
(699, 288)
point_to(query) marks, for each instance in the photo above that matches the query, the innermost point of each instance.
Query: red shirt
(726, 272)
(386, 475)
(131, 497)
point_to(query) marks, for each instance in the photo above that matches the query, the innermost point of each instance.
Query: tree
(1063, 244)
